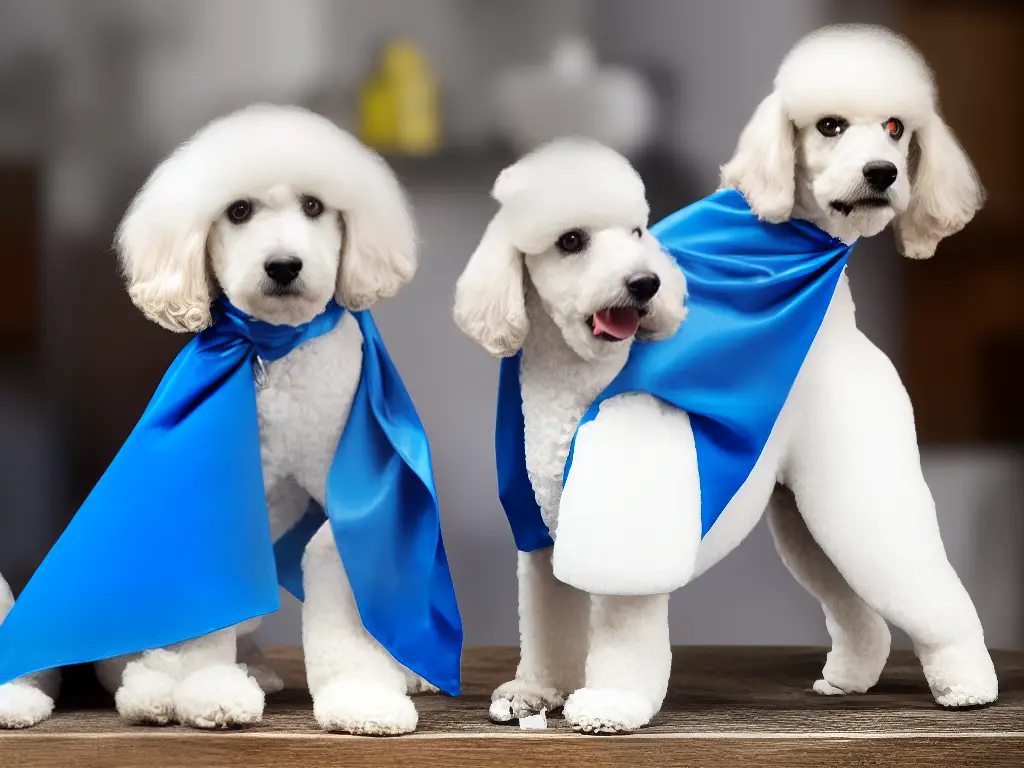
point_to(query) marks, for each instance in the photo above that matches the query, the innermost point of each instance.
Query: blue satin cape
(174, 541)
(757, 294)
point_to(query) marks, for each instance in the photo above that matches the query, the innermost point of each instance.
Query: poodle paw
(145, 696)
(606, 710)
(520, 698)
(220, 696)
(856, 667)
(364, 709)
(22, 706)
(825, 688)
(961, 676)
(266, 678)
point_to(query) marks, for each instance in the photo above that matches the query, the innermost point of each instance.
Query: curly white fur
(612, 653)
(857, 524)
(181, 247)
(29, 700)
(163, 238)
(863, 76)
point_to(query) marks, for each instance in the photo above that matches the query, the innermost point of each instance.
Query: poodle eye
(572, 241)
(894, 127)
(240, 211)
(638, 231)
(312, 207)
(831, 126)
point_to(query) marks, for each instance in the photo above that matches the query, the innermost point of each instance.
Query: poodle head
(852, 137)
(574, 214)
(277, 209)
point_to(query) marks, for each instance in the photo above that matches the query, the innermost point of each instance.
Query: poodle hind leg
(251, 655)
(357, 687)
(414, 684)
(856, 473)
(860, 637)
(553, 619)
(628, 665)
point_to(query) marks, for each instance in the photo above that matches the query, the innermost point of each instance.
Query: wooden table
(732, 707)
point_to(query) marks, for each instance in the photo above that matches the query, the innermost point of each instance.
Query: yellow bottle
(399, 109)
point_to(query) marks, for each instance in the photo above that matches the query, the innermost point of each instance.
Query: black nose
(880, 175)
(283, 269)
(643, 287)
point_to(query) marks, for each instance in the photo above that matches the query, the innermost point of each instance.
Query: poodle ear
(490, 306)
(763, 166)
(164, 260)
(945, 191)
(379, 242)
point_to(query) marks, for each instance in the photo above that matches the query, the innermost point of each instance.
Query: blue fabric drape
(758, 293)
(174, 541)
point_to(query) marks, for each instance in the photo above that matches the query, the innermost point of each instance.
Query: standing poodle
(568, 274)
(245, 234)
(849, 142)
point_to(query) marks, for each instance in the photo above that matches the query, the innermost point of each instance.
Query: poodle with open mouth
(786, 405)
(281, 436)
(567, 276)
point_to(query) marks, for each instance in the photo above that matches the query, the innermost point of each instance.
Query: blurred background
(93, 94)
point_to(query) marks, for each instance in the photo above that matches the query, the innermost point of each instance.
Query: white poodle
(28, 700)
(296, 212)
(850, 140)
(280, 211)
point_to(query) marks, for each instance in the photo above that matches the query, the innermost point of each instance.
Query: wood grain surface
(731, 707)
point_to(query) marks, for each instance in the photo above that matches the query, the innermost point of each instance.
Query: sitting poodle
(785, 403)
(29, 700)
(280, 447)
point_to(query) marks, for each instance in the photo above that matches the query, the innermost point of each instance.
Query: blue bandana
(174, 541)
(758, 293)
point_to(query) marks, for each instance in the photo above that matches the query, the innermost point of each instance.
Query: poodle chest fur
(557, 388)
(303, 407)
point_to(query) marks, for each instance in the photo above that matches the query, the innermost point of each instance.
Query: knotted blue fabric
(757, 294)
(174, 541)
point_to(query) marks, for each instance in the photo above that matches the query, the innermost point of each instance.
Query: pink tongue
(620, 322)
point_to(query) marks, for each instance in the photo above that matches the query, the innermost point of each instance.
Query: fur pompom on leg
(219, 696)
(23, 705)
(960, 675)
(595, 710)
(146, 695)
(364, 709)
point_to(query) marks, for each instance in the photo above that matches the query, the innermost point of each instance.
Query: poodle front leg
(553, 621)
(856, 474)
(627, 668)
(860, 637)
(357, 687)
(215, 692)
(29, 700)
